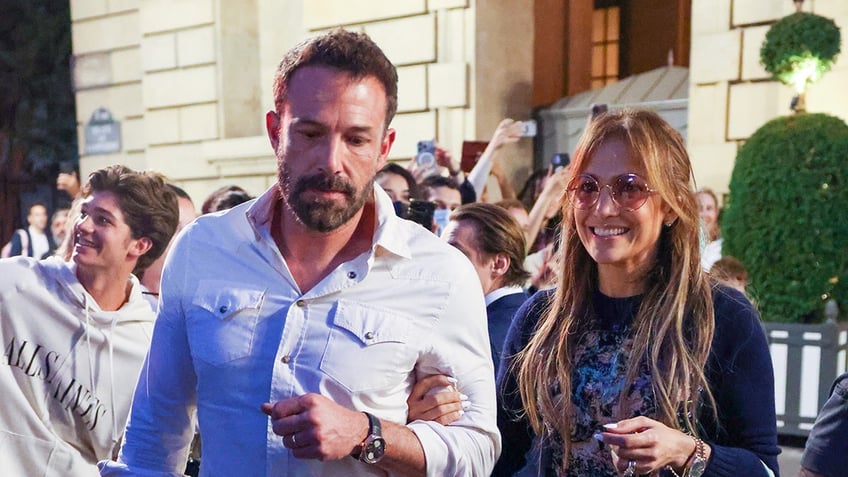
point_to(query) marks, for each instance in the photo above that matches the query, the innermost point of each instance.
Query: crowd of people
(362, 317)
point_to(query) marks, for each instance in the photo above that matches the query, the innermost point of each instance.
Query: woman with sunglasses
(637, 363)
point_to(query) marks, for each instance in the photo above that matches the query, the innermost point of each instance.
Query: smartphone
(426, 156)
(528, 128)
(599, 109)
(560, 160)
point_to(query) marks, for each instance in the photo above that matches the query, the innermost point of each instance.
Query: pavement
(789, 461)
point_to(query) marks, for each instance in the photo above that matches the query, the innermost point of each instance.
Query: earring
(669, 224)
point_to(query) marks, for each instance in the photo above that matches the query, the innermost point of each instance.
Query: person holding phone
(638, 362)
(508, 131)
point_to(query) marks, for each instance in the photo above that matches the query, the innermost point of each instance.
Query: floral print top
(601, 359)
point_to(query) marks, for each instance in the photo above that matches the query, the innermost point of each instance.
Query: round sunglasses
(628, 191)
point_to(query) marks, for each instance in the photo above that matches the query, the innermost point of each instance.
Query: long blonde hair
(675, 322)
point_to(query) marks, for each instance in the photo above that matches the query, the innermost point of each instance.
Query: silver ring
(631, 469)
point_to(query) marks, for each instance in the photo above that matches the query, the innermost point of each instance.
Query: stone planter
(807, 358)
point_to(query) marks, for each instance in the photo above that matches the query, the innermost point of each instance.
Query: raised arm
(507, 132)
(547, 204)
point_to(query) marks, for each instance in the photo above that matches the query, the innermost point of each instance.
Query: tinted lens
(583, 191)
(630, 191)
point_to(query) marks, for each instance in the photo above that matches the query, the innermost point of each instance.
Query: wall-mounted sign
(102, 133)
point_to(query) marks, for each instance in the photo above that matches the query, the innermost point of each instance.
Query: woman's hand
(650, 444)
(435, 398)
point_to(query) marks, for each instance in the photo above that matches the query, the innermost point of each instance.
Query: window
(606, 41)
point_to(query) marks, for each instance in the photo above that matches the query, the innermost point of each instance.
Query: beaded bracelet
(697, 455)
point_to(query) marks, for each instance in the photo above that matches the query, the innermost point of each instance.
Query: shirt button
(285, 359)
(351, 275)
(223, 309)
(300, 303)
(369, 335)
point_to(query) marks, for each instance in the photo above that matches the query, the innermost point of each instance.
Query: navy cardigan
(739, 371)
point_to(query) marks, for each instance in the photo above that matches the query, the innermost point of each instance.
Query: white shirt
(501, 292)
(711, 254)
(234, 332)
(40, 245)
(68, 371)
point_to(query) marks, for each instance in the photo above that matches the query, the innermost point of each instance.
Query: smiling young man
(75, 333)
(297, 323)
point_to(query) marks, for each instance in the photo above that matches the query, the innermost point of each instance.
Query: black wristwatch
(373, 448)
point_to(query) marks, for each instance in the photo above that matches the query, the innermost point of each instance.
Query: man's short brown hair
(350, 52)
(150, 207)
(495, 231)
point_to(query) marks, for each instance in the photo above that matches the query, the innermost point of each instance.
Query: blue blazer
(500, 313)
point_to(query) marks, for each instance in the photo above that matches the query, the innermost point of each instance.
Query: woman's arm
(741, 377)
(507, 132)
(546, 205)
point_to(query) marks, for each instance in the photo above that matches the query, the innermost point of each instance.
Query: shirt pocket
(368, 347)
(222, 321)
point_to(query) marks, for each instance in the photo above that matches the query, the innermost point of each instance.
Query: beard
(322, 215)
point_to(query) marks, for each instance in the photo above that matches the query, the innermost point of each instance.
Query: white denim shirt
(234, 331)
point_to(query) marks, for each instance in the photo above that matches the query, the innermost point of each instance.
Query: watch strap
(374, 428)
(372, 449)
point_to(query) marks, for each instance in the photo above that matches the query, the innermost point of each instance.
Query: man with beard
(296, 324)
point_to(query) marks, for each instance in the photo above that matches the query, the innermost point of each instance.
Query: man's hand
(314, 427)
(445, 160)
(435, 398)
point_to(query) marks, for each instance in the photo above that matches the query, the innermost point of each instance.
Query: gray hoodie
(68, 369)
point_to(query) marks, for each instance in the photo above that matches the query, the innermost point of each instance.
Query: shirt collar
(391, 234)
(501, 292)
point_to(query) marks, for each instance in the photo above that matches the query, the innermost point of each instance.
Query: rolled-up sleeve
(460, 348)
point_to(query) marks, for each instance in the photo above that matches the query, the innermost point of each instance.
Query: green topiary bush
(787, 216)
(800, 48)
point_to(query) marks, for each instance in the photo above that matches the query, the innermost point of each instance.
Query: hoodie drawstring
(88, 341)
(111, 340)
(112, 380)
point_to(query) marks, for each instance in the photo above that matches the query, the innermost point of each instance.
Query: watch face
(698, 467)
(373, 450)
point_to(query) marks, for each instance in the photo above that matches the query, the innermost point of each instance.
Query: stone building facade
(190, 80)
(731, 94)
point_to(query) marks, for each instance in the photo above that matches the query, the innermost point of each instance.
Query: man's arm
(826, 452)
(315, 427)
(161, 425)
(459, 348)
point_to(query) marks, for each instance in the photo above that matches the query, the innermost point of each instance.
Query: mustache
(325, 182)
